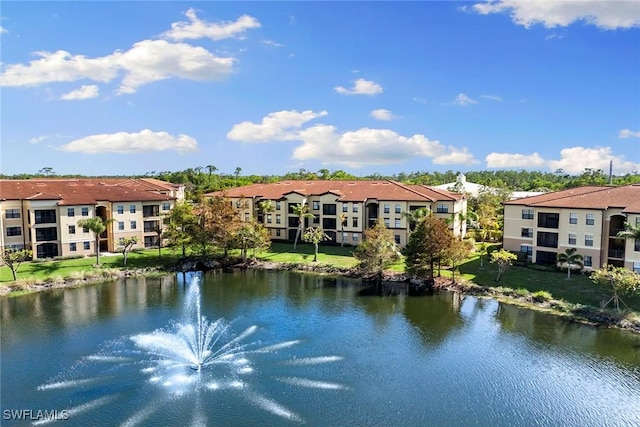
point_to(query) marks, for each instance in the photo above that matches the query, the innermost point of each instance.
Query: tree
(377, 250)
(343, 221)
(127, 244)
(97, 226)
(220, 222)
(458, 251)
(211, 170)
(570, 257)
(253, 235)
(302, 211)
(315, 235)
(237, 174)
(630, 232)
(482, 252)
(265, 206)
(47, 171)
(621, 280)
(13, 259)
(414, 217)
(158, 229)
(181, 226)
(427, 245)
(503, 259)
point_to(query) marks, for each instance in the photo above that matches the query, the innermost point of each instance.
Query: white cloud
(197, 28)
(361, 87)
(627, 133)
(382, 114)
(463, 100)
(3, 30)
(419, 100)
(455, 156)
(147, 61)
(575, 160)
(492, 97)
(126, 143)
(281, 125)
(371, 147)
(152, 60)
(84, 92)
(272, 43)
(507, 160)
(604, 14)
(38, 139)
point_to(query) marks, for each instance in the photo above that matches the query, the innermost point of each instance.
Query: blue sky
(368, 87)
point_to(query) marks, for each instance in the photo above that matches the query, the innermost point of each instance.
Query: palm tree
(265, 207)
(211, 170)
(570, 257)
(630, 232)
(302, 211)
(237, 174)
(415, 216)
(98, 226)
(343, 220)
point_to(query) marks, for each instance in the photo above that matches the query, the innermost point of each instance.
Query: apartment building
(361, 203)
(585, 218)
(42, 214)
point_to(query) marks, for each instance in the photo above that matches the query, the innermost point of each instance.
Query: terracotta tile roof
(589, 197)
(348, 191)
(75, 191)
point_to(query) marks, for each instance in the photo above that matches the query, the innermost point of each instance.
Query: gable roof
(588, 197)
(75, 191)
(346, 191)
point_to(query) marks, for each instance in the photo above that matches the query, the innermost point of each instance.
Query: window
(387, 209)
(636, 267)
(526, 232)
(572, 238)
(398, 209)
(85, 229)
(354, 221)
(548, 220)
(329, 209)
(150, 241)
(329, 223)
(12, 213)
(72, 229)
(14, 231)
(527, 249)
(153, 210)
(44, 234)
(132, 208)
(316, 205)
(72, 247)
(166, 206)
(587, 261)
(120, 209)
(71, 212)
(269, 218)
(573, 218)
(86, 245)
(638, 221)
(47, 250)
(278, 219)
(355, 208)
(591, 219)
(45, 216)
(387, 223)
(345, 207)
(548, 240)
(278, 233)
(246, 216)
(355, 237)
(278, 206)
(396, 238)
(150, 226)
(397, 223)
(85, 211)
(121, 225)
(345, 236)
(636, 245)
(527, 213)
(441, 208)
(588, 239)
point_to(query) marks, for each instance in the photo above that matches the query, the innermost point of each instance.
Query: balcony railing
(614, 231)
(616, 253)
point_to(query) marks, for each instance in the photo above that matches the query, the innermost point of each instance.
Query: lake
(283, 348)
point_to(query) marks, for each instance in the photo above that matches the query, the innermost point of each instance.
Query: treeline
(204, 179)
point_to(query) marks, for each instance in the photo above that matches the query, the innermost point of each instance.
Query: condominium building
(42, 214)
(359, 203)
(585, 218)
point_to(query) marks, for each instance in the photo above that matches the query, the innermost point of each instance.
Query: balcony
(616, 253)
(148, 211)
(613, 232)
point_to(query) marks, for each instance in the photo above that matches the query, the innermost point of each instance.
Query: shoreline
(588, 315)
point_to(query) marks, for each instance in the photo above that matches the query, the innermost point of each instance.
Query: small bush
(521, 292)
(541, 296)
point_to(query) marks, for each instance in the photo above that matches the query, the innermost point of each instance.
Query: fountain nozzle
(196, 367)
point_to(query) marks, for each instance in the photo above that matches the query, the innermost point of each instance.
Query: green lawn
(577, 290)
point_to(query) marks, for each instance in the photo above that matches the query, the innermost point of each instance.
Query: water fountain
(189, 360)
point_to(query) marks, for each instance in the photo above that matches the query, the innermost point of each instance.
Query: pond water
(278, 348)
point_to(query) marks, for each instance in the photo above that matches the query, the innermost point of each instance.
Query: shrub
(541, 296)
